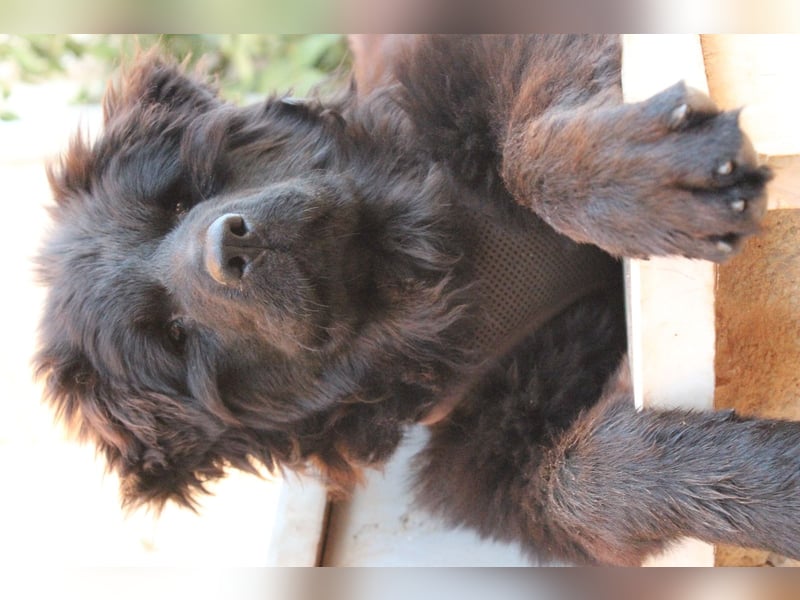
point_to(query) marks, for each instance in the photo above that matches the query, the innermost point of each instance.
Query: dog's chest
(525, 273)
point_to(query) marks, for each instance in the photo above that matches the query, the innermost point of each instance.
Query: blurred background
(246, 64)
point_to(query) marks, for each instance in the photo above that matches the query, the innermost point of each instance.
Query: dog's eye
(176, 199)
(176, 205)
(177, 333)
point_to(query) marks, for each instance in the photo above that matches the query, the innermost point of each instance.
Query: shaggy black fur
(292, 284)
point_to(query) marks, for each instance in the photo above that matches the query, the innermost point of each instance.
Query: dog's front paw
(672, 175)
(691, 177)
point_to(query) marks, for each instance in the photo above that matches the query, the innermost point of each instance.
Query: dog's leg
(535, 457)
(670, 175)
(621, 483)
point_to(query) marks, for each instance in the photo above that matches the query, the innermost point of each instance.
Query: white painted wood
(670, 301)
(673, 332)
(380, 526)
(300, 524)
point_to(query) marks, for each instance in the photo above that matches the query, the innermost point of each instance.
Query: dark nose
(231, 245)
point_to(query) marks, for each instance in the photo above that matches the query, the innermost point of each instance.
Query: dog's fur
(355, 318)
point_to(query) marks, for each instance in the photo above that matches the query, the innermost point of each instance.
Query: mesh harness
(526, 274)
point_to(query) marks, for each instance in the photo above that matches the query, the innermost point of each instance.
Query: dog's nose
(230, 245)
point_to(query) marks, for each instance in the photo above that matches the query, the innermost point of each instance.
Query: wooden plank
(381, 526)
(670, 301)
(756, 290)
(784, 190)
(759, 74)
(300, 522)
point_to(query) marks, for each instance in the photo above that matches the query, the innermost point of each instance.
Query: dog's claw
(724, 247)
(738, 205)
(725, 168)
(678, 116)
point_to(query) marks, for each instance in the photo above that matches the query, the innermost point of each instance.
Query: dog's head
(229, 286)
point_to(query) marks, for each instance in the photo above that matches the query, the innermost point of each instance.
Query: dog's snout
(230, 245)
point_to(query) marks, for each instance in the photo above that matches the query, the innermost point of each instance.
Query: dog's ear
(152, 90)
(76, 393)
(161, 447)
(155, 80)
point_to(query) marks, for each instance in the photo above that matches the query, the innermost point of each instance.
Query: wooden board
(670, 301)
(300, 523)
(758, 73)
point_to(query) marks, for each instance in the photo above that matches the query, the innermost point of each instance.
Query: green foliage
(244, 63)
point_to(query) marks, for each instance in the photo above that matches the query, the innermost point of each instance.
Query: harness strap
(526, 274)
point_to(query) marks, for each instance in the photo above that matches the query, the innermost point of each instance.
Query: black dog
(293, 283)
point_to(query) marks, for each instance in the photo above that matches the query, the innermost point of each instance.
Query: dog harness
(526, 274)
